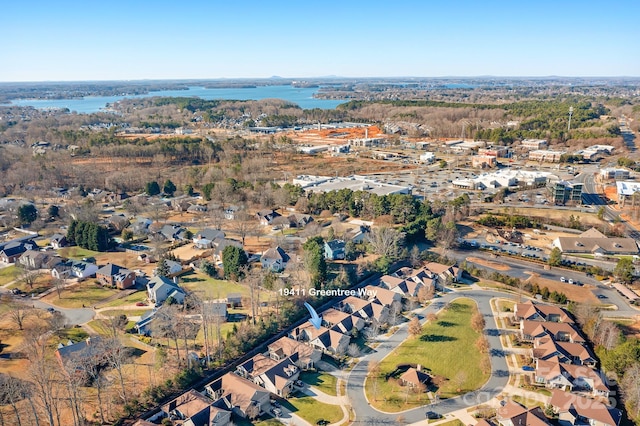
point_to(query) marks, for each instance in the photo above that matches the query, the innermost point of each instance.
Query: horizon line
(331, 77)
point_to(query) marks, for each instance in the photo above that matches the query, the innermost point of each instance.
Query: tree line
(89, 235)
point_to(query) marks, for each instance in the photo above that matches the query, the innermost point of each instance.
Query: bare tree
(18, 312)
(426, 293)
(244, 225)
(395, 313)
(44, 372)
(116, 356)
(374, 374)
(631, 389)
(353, 350)
(385, 241)
(414, 327)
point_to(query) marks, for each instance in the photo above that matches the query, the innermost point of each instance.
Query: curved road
(497, 381)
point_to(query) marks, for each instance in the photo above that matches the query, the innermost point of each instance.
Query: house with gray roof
(160, 289)
(274, 259)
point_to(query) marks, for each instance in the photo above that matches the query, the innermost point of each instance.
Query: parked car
(528, 368)
(432, 415)
(570, 281)
(141, 304)
(276, 412)
(563, 280)
(299, 383)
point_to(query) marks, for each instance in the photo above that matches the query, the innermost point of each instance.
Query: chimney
(419, 367)
(175, 280)
(88, 341)
(366, 133)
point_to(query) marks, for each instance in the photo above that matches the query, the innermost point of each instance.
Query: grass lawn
(77, 252)
(127, 312)
(529, 403)
(455, 422)
(313, 410)
(211, 288)
(323, 381)
(132, 299)
(41, 284)
(99, 327)
(445, 349)
(87, 294)
(8, 274)
(75, 334)
(266, 422)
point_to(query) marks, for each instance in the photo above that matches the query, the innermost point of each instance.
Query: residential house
(322, 338)
(445, 273)
(299, 220)
(197, 208)
(531, 311)
(566, 352)
(173, 267)
(415, 378)
(558, 331)
(334, 249)
(389, 281)
(77, 353)
(382, 295)
(160, 289)
(205, 239)
(514, 414)
(276, 376)
(143, 326)
(359, 235)
(173, 232)
(140, 225)
(576, 410)
(33, 259)
(594, 242)
(118, 222)
(231, 212)
(242, 396)
(341, 321)
(12, 250)
(569, 377)
(368, 311)
(194, 409)
(74, 268)
(285, 347)
(220, 244)
(113, 275)
(58, 241)
(265, 217)
(274, 259)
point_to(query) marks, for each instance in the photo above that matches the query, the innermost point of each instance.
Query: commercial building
(495, 151)
(546, 156)
(614, 173)
(354, 183)
(562, 192)
(626, 191)
(483, 161)
(505, 178)
(534, 144)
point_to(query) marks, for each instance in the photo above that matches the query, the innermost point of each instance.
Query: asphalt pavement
(496, 383)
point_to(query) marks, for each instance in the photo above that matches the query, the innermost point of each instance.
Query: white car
(563, 280)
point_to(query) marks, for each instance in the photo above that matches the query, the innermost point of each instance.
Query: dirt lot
(580, 294)
(488, 263)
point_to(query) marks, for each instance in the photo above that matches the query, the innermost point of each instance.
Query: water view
(89, 104)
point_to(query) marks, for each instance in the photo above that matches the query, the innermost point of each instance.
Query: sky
(209, 39)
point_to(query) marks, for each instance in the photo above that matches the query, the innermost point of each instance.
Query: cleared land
(488, 263)
(445, 349)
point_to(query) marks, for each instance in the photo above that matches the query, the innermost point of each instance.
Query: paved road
(495, 385)
(522, 269)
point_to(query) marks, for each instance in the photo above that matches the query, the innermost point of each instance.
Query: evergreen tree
(315, 261)
(27, 213)
(169, 188)
(233, 259)
(152, 188)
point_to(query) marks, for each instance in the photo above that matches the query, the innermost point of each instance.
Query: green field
(323, 381)
(211, 288)
(132, 299)
(77, 253)
(87, 294)
(8, 274)
(313, 410)
(445, 349)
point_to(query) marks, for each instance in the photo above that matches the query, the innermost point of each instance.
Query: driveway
(494, 386)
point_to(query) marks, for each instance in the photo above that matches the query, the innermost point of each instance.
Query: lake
(300, 96)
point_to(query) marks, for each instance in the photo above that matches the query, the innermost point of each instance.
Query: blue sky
(116, 40)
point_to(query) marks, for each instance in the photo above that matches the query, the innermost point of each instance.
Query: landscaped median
(447, 349)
